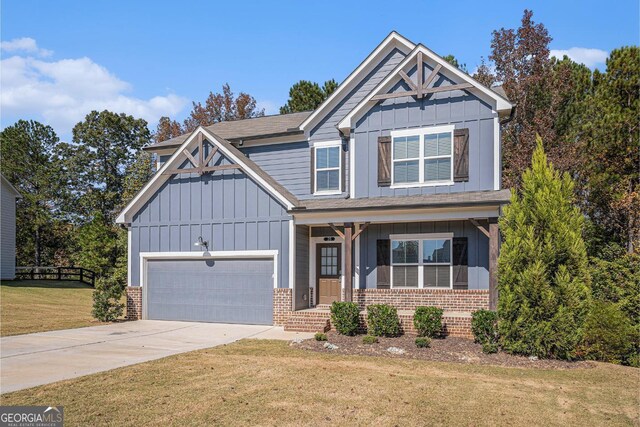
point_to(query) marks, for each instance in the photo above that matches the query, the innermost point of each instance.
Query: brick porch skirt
(408, 299)
(282, 302)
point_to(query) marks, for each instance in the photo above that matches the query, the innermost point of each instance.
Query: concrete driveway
(45, 357)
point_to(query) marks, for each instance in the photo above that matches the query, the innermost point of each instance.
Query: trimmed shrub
(107, 299)
(484, 325)
(423, 342)
(345, 317)
(369, 339)
(383, 321)
(319, 336)
(428, 321)
(609, 335)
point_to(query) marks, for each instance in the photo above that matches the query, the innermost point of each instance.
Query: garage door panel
(226, 291)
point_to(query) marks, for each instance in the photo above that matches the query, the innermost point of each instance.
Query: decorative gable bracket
(422, 88)
(200, 165)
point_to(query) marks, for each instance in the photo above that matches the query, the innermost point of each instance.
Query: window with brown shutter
(383, 264)
(460, 263)
(384, 161)
(461, 155)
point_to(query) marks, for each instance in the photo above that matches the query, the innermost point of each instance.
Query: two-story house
(389, 192)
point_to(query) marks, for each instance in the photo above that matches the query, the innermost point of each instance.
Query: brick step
(308, 321)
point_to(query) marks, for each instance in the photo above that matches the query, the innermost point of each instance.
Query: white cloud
(270, 107)
(582, 55)
(62, 92)
(24, 44)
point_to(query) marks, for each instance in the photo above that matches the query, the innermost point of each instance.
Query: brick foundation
(282, 303)
(134, 302)
(408, 299)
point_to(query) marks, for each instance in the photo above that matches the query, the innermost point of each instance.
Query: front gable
(201, 155)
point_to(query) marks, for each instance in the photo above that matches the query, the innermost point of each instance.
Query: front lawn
(28, 306)
(256, 382)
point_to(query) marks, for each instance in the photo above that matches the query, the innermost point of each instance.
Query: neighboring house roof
(10, 186)
(470, 198)
(227, 149)
(254, 128)
(502, 105)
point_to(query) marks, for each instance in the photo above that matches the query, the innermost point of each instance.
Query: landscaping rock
(296, 341)
(330, 346)
(395, 350)
(533, 358)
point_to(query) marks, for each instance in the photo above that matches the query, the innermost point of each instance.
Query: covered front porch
(443, 257)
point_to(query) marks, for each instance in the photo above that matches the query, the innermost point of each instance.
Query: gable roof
(10, 186)
(502, 105)
(393, 39)
(247, 165)
(253, 128)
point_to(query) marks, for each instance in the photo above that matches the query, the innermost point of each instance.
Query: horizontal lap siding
(458, 108)
(226, 208)
(478, 247)
(287, 163)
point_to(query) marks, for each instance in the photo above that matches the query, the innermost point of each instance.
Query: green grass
(28, 306)
(256, 382)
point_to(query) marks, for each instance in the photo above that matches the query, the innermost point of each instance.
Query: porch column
(494, 241)
(348, 266)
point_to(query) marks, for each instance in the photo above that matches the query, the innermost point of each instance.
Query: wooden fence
(57, 273)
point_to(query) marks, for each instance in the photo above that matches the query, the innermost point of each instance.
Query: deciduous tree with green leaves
(307, 96)
(543, 268)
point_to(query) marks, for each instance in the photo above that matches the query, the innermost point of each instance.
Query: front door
(328, 260)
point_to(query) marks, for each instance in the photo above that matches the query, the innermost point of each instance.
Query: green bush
(484, 325)
(609, 335)
(369, 339)
(428, 321)
(382, 320)
(107, 299)
(319, 336)
(423, 342)
(345, 317)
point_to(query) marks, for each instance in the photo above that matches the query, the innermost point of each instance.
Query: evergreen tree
(307, 96)
(543, 268)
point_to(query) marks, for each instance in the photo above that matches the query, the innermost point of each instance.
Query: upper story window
(328, 168)
(421, 261)
(422, 156)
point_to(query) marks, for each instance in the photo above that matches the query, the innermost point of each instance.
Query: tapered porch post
(494, 240)
(348, 266)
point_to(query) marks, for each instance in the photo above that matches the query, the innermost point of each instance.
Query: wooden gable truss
(201, 164)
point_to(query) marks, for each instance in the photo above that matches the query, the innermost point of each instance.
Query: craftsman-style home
(389, 192)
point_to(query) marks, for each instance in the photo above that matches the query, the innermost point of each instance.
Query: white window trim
(420, 264)
(421, 132)
(327, 144)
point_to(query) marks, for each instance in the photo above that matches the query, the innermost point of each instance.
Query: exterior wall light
(201, 243)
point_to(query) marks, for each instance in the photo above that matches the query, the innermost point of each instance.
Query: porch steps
(308, 321)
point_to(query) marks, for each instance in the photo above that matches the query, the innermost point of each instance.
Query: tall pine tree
(542, 270)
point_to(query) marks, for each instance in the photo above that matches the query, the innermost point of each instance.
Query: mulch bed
(450, 349)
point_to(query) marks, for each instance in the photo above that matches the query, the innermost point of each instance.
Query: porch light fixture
(201, 242)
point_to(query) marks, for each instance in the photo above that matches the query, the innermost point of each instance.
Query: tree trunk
(37, 246)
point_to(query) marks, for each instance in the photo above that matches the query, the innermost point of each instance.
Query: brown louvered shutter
(460, 263)
(461, 155)
(383, 264)
(384, 161)
(312, 171)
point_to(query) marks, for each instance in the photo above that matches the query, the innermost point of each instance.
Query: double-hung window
(421, 261)
(422, 156)
(328, 168)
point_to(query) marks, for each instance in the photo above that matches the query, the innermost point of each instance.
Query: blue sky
(61, 59)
